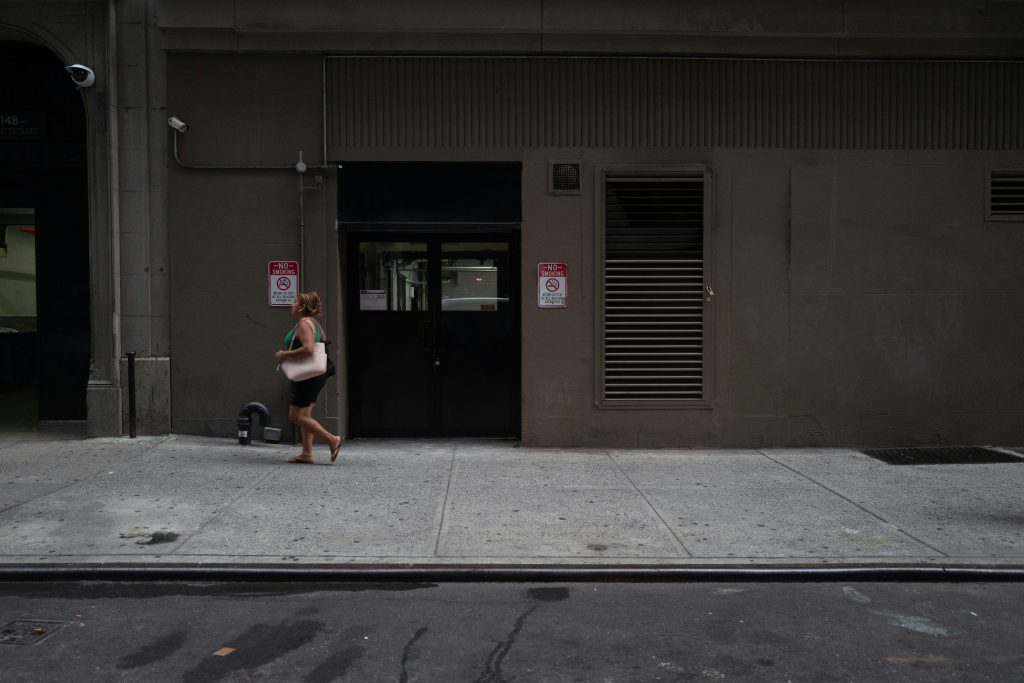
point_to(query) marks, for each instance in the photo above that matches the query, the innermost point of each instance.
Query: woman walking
(298, 342)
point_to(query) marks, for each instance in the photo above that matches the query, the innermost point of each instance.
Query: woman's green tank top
(290, 337)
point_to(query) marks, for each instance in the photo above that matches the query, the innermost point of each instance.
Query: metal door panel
(444, 360)
(391, 341)
(478, 352)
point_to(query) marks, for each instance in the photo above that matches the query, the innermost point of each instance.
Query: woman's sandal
(299, 459)
(334, 451)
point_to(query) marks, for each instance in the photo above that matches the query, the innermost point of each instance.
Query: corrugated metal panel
(450, 102)
(653, 288)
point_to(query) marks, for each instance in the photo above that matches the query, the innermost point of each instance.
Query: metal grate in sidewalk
(940, 455)
(29, 631)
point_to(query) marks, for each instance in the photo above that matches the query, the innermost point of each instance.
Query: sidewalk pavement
(190, 501)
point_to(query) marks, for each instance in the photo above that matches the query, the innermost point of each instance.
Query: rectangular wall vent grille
(653, 288)
(1006, 194)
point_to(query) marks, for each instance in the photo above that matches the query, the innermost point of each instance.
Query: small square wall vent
(1005, 196)
(564, 177)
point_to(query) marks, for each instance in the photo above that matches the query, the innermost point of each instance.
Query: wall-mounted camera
(82, 75)
(177, 124)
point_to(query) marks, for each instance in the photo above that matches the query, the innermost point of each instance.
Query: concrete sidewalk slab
(32, 467)
(508, 503)
(365, 507)
(462, 503)
(742, 504)
(958, 510)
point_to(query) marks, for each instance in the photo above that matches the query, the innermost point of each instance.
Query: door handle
(428, 343)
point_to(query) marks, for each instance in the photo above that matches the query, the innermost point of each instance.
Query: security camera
(177, 124)
(82, 75)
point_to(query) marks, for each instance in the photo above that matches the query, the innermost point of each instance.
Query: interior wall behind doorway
(43, 169)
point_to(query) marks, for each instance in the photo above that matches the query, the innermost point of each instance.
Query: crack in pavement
(492, 669)
(406, 651)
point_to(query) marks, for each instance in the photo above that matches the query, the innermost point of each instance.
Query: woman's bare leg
(306, 437)
(303, 417)
(307, 442)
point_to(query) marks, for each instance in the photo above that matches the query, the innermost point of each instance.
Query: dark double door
(433, 335)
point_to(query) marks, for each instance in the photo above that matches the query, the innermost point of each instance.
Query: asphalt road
(488, 632)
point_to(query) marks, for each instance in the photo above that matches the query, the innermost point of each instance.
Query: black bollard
(131, 394)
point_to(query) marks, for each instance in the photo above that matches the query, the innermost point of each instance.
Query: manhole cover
(29, 632)
(940, 455)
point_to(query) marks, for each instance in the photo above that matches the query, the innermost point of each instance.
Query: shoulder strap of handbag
(315, 326)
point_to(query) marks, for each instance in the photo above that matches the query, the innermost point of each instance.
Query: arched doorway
(44, 242)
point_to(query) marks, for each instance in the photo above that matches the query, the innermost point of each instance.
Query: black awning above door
(430, 192)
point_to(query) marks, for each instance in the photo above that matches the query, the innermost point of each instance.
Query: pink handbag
(309, 365)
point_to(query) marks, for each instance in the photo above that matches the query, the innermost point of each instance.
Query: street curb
(509, 573)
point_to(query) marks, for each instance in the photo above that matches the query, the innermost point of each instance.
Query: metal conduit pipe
(178, 126)
(245, 420)
(302, 219)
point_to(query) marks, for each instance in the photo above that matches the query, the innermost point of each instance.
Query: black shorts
(304, 393)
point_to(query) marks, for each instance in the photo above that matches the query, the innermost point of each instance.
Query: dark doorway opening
(433, 310)
(44, 255)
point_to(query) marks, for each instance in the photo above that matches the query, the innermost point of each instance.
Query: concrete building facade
(630, 224)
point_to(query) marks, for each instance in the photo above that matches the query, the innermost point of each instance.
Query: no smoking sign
(551, 285)
(283, 282)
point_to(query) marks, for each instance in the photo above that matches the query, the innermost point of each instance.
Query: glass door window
(393, 276)
(470, 276)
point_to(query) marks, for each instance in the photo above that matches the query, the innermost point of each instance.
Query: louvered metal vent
(1006, 194)
(654, 288)
(658, 103)
(565, 177)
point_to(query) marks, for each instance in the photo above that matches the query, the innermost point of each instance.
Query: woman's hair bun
(310, 302)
